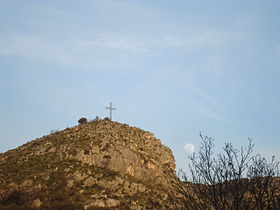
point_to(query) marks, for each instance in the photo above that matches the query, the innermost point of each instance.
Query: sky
(174, 68)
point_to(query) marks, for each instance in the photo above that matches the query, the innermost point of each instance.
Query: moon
(189, 148)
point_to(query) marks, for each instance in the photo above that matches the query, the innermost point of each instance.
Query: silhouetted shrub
(82, 120)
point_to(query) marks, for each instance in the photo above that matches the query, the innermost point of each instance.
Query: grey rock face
(127, 150)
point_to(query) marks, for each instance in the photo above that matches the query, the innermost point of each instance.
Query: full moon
(189, 148)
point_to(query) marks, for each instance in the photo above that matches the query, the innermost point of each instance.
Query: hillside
(97, 165)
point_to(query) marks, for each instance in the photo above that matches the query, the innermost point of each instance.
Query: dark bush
(82, 120)
(14, 197)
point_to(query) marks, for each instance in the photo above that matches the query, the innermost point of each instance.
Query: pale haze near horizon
(175, 68)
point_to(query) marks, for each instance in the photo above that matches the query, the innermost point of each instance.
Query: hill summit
(95, 165)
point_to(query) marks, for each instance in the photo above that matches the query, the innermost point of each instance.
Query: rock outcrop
(99, 164)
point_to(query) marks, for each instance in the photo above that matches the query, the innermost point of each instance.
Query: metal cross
(111, 109)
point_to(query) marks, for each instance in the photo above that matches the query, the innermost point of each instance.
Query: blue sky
(174, 68)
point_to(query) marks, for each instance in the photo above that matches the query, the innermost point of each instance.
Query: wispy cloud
(107, 34)
(79, 49)
(124, 7)
(207, 104)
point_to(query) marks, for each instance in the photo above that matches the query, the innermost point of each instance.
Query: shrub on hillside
(82, 120)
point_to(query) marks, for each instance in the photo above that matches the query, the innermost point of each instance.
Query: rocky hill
(97, 165)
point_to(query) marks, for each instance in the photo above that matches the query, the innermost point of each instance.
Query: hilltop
(100, 164)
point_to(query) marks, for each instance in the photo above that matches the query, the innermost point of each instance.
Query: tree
(264, 185)
(234, 179)
(82, 120)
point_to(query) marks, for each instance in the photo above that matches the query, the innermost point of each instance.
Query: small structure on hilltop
(111, 109)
